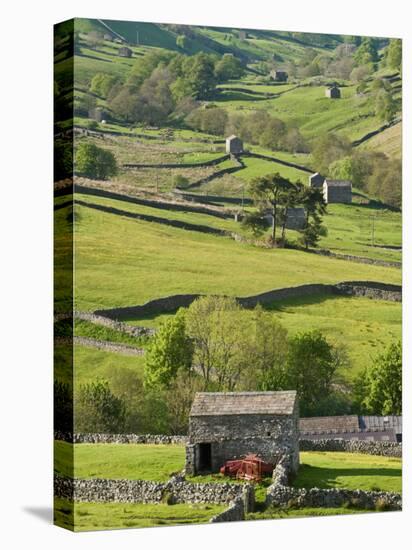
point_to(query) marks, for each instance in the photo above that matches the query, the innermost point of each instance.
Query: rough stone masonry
(224, 426)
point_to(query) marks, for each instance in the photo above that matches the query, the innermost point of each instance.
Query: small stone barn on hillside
(234, 145)
(337, 191)
(295, 218)
(279, 76)
(224, 426)
(332, 92)
(316, 180)
(124, 51)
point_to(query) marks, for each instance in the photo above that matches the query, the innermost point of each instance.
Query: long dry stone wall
(174, 491)
(149, 218)
(380, 448)
(357, 259)
(122, 438)
(282, 496)
(119, 326)
(168, 304)
(159, 204)
(103, 345)
(206, 163)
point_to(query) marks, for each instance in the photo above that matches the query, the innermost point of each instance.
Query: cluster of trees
(275, 195)
(258, 127)
(160, 83)
(369, 171)
(354, 60)
(215, 345)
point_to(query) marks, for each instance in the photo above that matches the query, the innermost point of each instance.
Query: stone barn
(228, 425)
(125, 52)
(337, 191)
(295, 218)
(279, 76)
(234, 145)
(332, 92)
(316, 180)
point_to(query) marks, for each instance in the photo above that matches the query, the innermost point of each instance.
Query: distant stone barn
(332, 92)
(337, 191)
(228, 425)
(295, 218)
(124, 51)
(316, 180)
(234, 145)
(279, 76)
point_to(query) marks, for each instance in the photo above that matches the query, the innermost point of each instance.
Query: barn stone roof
(234, 403)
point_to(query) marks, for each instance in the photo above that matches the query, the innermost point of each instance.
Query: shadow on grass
(326, 478)
(313, 299)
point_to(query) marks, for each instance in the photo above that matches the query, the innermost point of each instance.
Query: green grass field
(117, 461)
(363, 326)
(88, 516)
(313, 113)
(349, 471)
(258, 167)
(275, 513)
(159, 462)
(83, 365)
(363, 230)
(90, 363)
(123, 262)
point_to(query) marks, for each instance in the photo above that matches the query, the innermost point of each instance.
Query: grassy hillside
(313, 113)
(362, 326)
(389, 142)
(124, 262)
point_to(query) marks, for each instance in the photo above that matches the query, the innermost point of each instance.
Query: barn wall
(232, 436)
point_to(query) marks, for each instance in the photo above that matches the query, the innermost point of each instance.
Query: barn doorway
(205, 457)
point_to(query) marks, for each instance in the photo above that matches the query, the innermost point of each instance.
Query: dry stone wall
(280, 494)
(174, 491)
(107, 322)
(380, 448)
(104, 345)
(168, 304)
(122, 438)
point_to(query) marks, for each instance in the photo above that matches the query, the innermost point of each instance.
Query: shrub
(92, 124)
(95, 162)
(97, 410)
(180, 181)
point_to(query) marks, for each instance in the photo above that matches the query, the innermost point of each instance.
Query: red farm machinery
(250, 467)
